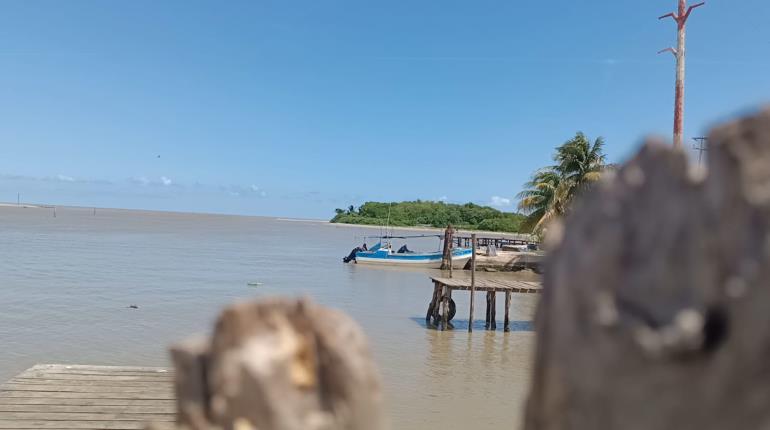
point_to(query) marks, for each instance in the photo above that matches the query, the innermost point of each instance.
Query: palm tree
(579, 163)
(549, 193)
(542, 199)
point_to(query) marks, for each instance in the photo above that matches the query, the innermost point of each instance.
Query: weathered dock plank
(87, 397)
(499, 285)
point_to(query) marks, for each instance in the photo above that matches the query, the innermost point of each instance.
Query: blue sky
(293, 108)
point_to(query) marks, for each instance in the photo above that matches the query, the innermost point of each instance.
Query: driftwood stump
(278, 365)
(655, 312)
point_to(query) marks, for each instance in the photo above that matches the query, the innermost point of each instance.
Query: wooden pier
(58, 396)
(441, 309)
(465, 241)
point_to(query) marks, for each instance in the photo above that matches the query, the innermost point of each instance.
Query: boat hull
(432, 260)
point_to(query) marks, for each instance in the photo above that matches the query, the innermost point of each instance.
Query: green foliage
(551, 190)
(434, 214)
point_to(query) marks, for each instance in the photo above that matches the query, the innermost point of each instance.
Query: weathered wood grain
(87, 397)
(655, 307)
(281, 365)
(481, 284)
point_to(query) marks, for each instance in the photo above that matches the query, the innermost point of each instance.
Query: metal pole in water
(54, 211)
(473, 279)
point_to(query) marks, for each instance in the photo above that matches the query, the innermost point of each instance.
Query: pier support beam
(433, 306)
(507, 322)
(473, 280)
(444, 307)
(493, 311)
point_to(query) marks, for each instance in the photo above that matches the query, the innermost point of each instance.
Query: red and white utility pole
(681, 20)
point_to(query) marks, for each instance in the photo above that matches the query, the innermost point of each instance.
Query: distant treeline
(434, 214)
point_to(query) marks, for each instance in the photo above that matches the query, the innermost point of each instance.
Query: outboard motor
(352, 255)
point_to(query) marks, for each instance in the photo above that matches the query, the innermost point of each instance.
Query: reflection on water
(66, 284)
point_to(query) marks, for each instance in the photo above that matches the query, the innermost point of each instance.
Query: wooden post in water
(450, 261)
(446, 260)
(473, 279)
(493, 311)
(444, 307)
(507, 321)
(434, 303)
(450, 232)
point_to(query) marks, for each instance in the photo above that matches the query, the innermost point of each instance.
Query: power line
(701, 146)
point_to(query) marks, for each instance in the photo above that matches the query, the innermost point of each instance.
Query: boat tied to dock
(383, 253)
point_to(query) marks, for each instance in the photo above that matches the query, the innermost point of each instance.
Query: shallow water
(66, 284)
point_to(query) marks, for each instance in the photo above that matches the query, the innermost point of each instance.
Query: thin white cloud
(500, 201)
(166, 181)
(65, 178)
(443, 198)
(243, 191)
(140, 180)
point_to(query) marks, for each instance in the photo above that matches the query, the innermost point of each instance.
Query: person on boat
(405, 250)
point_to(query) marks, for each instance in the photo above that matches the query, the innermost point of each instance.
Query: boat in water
(383, 254)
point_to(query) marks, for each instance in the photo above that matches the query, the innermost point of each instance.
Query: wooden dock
(58, 396)
(442, 298)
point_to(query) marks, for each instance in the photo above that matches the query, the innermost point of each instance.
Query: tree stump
(655, 312)
(278, 365)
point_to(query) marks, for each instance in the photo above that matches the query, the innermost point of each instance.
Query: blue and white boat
(384, 254)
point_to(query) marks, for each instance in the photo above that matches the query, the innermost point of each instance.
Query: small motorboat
(384, 254)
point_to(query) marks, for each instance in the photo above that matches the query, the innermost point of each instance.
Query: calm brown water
(66, 284)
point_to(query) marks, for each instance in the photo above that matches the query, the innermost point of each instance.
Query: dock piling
(433, 304)
(507, 321)
(444, 308)
(473, 280)
(493, 311)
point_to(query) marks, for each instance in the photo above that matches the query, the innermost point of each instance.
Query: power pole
(700, 146)
(681, 20)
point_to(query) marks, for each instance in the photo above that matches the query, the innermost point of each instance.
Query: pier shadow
(478, 325)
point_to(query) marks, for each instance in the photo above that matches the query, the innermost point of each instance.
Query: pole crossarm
(672, 15)
(689, 10)
(681, 19)
(671, 50)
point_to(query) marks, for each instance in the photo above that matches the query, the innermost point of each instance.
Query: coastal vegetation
(432, 214)
(549, 194)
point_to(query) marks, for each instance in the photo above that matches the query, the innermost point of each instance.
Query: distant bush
(434, 214)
